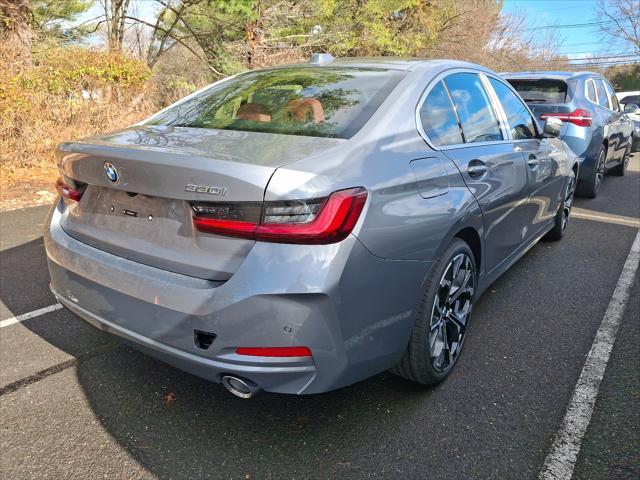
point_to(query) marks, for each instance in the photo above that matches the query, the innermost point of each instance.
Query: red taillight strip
(67, 192)
(333, 223)
(578, 117)
(232, 228)
(274, 351)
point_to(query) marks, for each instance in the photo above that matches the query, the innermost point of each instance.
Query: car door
(609, 121)
(617, 122)
(540, 155)
(493, 169)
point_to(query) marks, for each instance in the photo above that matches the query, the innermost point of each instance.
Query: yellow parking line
(605, 217)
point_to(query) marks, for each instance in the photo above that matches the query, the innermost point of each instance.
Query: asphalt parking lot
(77, 403)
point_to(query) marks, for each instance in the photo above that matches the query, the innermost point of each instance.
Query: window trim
(606, 84)
(595, 90)
(493, 100)
(418, 117)
(597, 79)
(536, 126)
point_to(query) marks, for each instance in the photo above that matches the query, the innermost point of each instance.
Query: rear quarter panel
(398, 222)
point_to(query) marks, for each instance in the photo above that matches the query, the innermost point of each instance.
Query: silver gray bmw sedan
(300, 228)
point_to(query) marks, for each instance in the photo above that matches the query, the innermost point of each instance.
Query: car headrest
(253, 111)
(304, 110)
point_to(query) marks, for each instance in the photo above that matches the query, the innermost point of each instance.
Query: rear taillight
(70, 192)
(313, 221)
(579, 117)
(274, 351)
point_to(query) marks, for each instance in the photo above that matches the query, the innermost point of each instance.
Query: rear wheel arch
(605, 144)
(471, 236)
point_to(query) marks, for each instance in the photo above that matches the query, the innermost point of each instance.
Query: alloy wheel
(451, 312)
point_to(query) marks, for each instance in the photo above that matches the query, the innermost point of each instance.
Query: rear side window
(518, 117)
(312, 101)
(591, 91)
(479, 121)
(613, 100)
(438, 118)
(541, 91)
(602, 94)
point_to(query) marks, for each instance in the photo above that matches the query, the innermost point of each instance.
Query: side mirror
(631, 108)
(552, 126)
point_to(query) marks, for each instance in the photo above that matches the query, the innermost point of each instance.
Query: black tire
(418, 363)
(621, 169)
(564, 211)
(590, 187)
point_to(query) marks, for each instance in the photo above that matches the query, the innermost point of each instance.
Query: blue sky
(578, 41)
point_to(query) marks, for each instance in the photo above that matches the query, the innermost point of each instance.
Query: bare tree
(115, 17)
(622, 19)
(15, 28)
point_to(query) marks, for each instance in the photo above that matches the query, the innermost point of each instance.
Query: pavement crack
(47, 372)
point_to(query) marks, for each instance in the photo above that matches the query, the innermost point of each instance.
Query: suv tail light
(72, 192)
(579, 117)
(312, 221)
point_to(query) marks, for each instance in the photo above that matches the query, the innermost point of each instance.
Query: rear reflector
(68, 192)
(274, 351)
(579, 117)
(313, 221)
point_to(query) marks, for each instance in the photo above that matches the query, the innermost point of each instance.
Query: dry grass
(67, 94)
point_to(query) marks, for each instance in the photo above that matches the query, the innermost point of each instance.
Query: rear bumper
(288, 376)
(635, 145)
(353, 310)
(585, 143)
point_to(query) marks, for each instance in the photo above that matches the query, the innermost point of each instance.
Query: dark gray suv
(595, 126)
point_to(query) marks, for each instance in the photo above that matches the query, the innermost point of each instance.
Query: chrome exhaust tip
(240, 387)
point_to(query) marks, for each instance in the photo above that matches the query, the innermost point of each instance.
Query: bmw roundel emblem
(111, 172)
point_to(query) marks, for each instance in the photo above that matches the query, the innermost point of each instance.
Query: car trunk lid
(143, 212)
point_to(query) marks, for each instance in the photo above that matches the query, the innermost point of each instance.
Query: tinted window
(520, 121)
(541, 91)
(613, 100)
(438, 118)
(602, 94)
(635, 99)
(591, 91)
(323, 102)
(479, 121)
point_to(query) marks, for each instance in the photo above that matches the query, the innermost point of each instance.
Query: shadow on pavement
(180, 426)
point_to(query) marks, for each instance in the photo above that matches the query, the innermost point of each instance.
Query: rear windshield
(541, 91)
(631, 99)
(312, 101)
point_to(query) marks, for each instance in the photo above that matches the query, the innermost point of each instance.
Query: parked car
(594, 124)
(301, 228)
(630, 102)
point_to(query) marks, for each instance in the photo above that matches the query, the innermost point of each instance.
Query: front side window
(518, 117)
(479, 121)
(439, 119)
(602, 94)
(312, 101)
(591, 91)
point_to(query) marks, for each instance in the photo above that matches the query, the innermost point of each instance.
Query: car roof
(393, 63)
(551, 75)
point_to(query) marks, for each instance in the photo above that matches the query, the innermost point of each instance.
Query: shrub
(68, 93)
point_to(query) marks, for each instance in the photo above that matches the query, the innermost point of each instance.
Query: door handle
(476, 168)
(533, 162)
